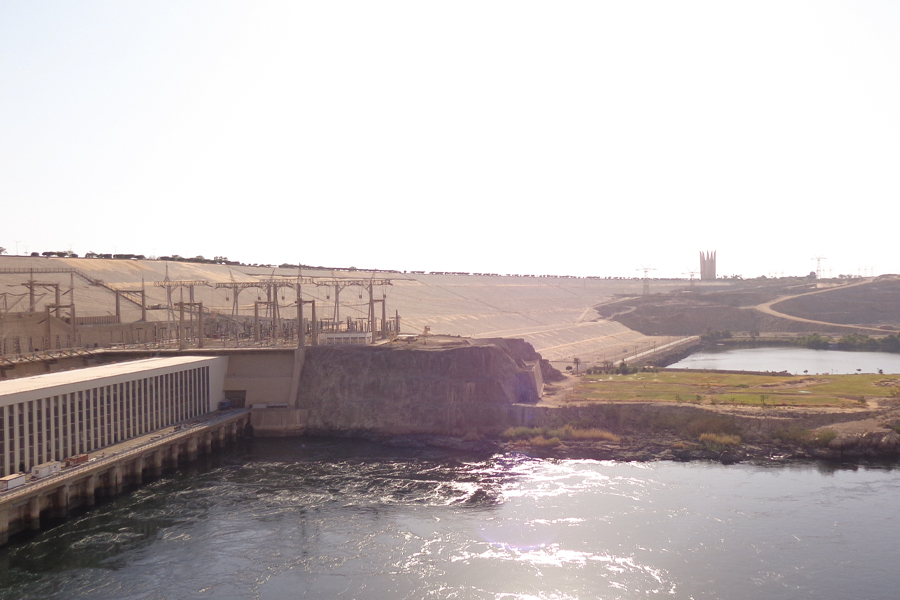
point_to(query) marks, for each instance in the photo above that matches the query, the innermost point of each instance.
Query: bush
(711, 424)
(814, 342)
(793, 435)
(719, 441)
(471, 435)
(566, 432)
(711, 335)
(690, 425)
(518, 433)
(571, 433)
(824, 436)
(542, 442)
(804, 437)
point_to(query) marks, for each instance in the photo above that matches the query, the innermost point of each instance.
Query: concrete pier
(121, 466)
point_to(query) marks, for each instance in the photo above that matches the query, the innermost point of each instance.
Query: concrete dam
(118, 417)
(439, 385)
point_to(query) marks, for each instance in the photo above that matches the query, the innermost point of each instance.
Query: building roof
(66, 378)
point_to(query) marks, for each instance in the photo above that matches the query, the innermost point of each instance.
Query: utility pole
(256, 321)
(72, 309)
(314, 330)
(182, 329)
(301, 335)
(371, 314)
(383, 331)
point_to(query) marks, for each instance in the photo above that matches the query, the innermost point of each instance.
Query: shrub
(571, 433)
(711, 424)
(684, 445)
(720, 441)
(814, 341)
(471, 436)
(519, 433)
(542, 442)
(566, 432)
(794, 435)
(824, 436)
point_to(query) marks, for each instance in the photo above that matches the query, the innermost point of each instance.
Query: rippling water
(319, 519)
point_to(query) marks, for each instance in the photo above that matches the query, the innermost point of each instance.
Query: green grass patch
(782, 399)
(737, 389)
(859, 385)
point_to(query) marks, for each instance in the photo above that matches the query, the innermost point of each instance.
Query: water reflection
(793, 360)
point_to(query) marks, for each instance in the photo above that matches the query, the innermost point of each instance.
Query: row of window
(56, 427)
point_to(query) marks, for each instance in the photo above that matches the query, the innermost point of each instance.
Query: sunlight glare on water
(356, 520)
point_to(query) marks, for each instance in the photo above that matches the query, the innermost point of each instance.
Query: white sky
(583, 138)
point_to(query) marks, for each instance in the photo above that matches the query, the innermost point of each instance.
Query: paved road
(767, 308)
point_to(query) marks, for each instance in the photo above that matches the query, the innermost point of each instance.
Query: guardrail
(653, 351)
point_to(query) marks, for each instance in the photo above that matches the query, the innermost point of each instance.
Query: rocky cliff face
(523, 352)
(406, 390)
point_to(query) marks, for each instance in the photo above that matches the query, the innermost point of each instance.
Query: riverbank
(727, 416)
(701, 415)
(649, 447)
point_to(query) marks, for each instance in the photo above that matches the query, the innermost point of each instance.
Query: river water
(790, 359)
(303, 518)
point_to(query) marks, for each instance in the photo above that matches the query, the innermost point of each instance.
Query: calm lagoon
(793, 360)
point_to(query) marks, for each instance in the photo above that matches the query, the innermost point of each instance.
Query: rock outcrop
(455, 390)
(524, 353)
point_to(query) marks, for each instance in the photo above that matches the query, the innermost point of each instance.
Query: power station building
(707, 266)
(54, 416)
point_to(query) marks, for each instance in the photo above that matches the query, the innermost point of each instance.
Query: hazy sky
(584, 138)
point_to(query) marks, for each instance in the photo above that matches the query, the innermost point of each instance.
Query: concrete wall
(265, 375)
(24, 333)
(217, 371)
(278, 422)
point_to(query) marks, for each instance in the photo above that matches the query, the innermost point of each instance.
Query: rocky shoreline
(868, 447)
(653, 448)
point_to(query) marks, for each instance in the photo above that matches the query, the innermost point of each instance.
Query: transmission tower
(818, 260)
(691, 274)
(646, 270)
